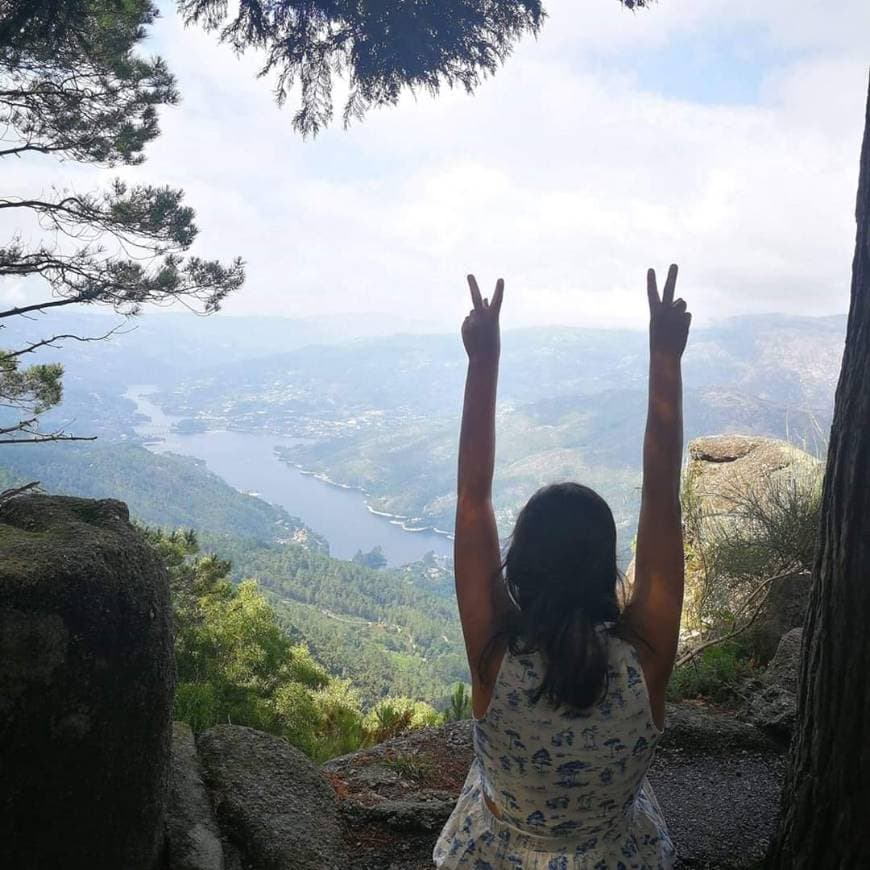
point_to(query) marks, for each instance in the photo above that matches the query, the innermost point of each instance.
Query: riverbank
(250, 463)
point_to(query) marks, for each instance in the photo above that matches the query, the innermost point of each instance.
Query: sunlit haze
(721, 135)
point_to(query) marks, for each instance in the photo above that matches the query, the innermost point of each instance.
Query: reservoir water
(248, 462)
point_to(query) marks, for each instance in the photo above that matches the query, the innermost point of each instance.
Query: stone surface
(721, 471)
(274, 807)
(772, 709)
(693, 729)
(784, 667)
(772, 699)
(192, 835)
(718, 781)
(86, 685)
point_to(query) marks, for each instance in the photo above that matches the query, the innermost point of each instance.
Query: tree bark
(826, 799)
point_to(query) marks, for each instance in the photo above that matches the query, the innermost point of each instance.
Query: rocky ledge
(717, 779)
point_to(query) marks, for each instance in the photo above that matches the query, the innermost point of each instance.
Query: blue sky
(721, 134)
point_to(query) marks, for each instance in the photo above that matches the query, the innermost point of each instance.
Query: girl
(568, 693)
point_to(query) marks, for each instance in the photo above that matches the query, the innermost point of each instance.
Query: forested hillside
(160, 489)
(390, 631)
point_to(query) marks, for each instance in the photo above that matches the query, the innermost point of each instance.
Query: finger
(475, 292)
(652, 290)
(495, 305)
(680, 305)
(670, 285)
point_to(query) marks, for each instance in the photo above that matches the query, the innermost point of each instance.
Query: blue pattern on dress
(570, 787)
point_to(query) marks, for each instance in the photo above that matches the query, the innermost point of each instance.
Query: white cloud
(566, 173)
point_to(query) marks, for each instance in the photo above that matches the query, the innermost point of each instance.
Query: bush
(236, 664)
(394, 716)
(712, 676)
(196, 704)
(460, 704)
(740, 555)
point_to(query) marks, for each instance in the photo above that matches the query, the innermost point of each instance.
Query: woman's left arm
(476, 554)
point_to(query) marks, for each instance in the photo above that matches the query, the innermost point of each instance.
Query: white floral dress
(571, 788)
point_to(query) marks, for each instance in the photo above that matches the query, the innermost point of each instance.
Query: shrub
(236, 664)
(394, 716)
(460, 704)
(712, 675)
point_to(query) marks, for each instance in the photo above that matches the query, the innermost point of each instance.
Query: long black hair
(561, 576)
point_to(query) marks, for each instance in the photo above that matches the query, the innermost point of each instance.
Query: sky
(722, 135)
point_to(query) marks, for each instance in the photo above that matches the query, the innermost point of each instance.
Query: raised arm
(657, 597)
(477, 557)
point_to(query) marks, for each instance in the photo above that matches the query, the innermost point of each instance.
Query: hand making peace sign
(668, 319)
(480, 330)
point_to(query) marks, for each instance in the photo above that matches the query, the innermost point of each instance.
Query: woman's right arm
(657, 596)
(476, 555)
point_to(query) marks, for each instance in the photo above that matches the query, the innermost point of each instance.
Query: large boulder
(724, 472)
(86, 687)
(193, 840)
(274, 808)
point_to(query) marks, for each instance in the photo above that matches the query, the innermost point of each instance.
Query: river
(248, 462)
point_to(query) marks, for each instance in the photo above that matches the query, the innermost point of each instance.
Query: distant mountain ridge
(383, 413)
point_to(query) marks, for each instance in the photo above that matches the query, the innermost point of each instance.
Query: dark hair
(561, 576)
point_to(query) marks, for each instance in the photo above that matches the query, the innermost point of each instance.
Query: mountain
(383, 414)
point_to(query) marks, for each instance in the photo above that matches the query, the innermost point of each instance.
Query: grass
(412, 766)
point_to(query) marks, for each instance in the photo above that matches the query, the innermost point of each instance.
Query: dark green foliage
(236, 664)
(160, 489)
(27, 391)
(379, 628)
(713, 675)
(72, 85)
(383, 48)
(460, 704)
(375, 558)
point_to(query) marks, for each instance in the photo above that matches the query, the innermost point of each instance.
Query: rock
(785, 665)
(772, 709)
(86, 687)
(694, 730)
(772, 704)
(722, 471)
(396, 796)
(192, 835)
(783, 612)
(272, 803)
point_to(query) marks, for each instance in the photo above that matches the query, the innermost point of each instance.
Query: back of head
(560, 572)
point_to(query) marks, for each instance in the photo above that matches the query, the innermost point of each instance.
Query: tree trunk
(826, 800)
